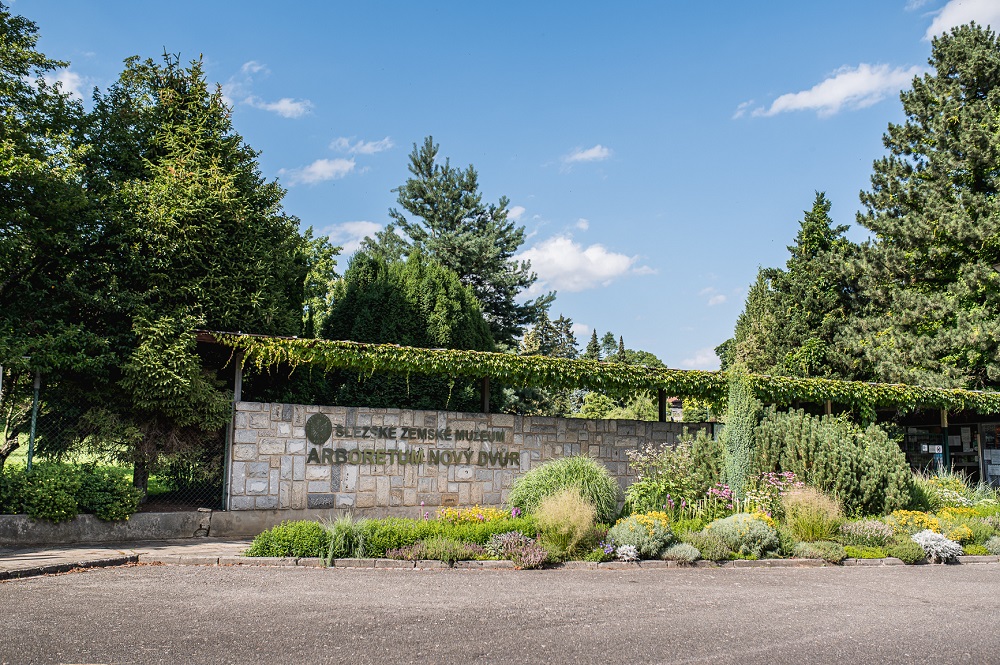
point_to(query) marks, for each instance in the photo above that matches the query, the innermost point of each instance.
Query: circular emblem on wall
(318, 429)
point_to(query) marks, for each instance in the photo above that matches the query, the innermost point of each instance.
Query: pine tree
(609, 345)
(930, 271)
(620, 355)
(452, 225)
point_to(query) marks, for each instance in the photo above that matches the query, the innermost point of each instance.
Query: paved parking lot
(173, 614)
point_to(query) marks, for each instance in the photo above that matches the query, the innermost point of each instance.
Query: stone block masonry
(381, 462)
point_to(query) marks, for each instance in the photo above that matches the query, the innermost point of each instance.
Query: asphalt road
(193, 614)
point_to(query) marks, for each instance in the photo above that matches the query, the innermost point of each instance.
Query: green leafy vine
(610, 378)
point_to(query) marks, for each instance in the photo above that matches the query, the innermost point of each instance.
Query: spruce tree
(593, 351)
(930, 273)
(793, 316)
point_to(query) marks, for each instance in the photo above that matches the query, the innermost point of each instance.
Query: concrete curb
(397, 564)
(55, 568)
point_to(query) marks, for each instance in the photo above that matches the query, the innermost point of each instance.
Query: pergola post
(484, 391)
(661, 396)
(946, 450)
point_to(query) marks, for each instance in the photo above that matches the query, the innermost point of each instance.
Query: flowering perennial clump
(475, 514)
(938, 548)
(867, 533)
(767, 491)
(912, 521)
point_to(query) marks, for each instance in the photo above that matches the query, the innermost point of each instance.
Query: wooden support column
(829, 407)
(661, 396)
(484, 391)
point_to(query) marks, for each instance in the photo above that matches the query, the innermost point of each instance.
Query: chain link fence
(175, 468)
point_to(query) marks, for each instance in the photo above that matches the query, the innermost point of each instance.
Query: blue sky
(656, 153)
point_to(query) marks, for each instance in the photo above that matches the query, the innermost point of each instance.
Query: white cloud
(566, 265)
(286, 107)
(704, 358)
(350, 234)
(717, 299)
(581, 331)
(239, 90)
(596, 154)
(319, 171)
(851, 88)
(913, 5)
(960, 12)
(515, 213)
(252, 67)
(343, 144)
(582, 224)
(742, 109)
(71, 82)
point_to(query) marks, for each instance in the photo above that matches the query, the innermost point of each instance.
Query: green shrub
(598, 555)
(379, 536)
(865, 552)
(709, 545)
(745, 534)
(301, 538)
(975, 550)
(981, 531)
(681, 552)
(907, 551)
(108, 495)
(811, 515)
(786, 541)
(821, 549)
(685, 525)
(863, 468)
(12, 490)
(649, 533)
(583, 473)
(993, 545)
(707, 455)
(50, 491)
(564, 520)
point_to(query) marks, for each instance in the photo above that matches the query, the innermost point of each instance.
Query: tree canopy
(417, 302)
(451, 224)
(930, 272)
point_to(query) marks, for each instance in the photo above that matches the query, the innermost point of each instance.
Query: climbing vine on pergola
(607, 377)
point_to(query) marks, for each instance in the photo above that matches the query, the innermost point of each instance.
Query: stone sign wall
(400, 462)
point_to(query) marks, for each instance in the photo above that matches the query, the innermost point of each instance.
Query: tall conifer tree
(931, 271)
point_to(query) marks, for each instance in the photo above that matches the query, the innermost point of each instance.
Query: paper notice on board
(966, 439)
(954, 441)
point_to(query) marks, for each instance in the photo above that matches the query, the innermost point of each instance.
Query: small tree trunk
(140, 478)
(9, 446)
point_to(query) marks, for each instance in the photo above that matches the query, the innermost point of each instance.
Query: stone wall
(400, 462)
